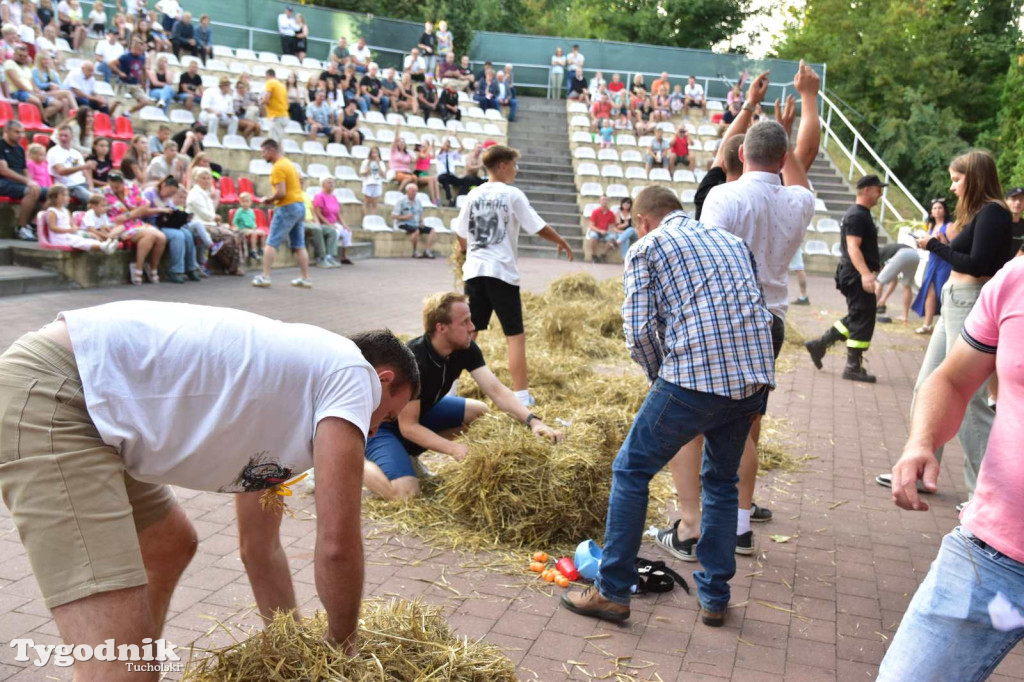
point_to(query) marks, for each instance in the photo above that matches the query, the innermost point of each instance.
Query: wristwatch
(529, 419)
(747, 107)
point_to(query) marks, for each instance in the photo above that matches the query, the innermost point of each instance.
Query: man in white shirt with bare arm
(104, 409)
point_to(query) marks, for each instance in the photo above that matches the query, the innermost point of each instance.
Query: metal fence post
(828, 125)
(853, 157)
(885, 200)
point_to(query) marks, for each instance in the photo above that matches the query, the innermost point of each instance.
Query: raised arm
(755, 95)
(808, 137)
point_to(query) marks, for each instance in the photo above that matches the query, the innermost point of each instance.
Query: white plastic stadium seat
(235, 142)
(473, 128)
(828, 225)
(385, 136)
(635, 173)
(645, 141)
(311, 63)
(667, 127)
(360, 152)
(392, 197)
(105, 89)
(464, 96)
(171, 59)
(660, 175)
(589, 209)
(492, 130)
(606, 155)
(223, 51)
(375, 223)
(269, 58)
(242, 53)
(494, 115)
(429, 137)
(153, 114)
(475, 112)
(591, 189)
(395, 119)
(256, 166)
(410, 137)
(707, 130)
(289, 60)
(715, 105)
(690, 128)
(636, 190)
(425, 200)
(816, 247)
(837, 250)
(374, 117)
(435, 124)
(212, 142)
(346, 196)
(699, 174)
(712, 145)
(435, 224)
(290, 146)
(313, 147)
(617, 191)
(62, 45)
(345, 173)
(577, 108)
(631, 156)
(318, 170)
(819, 206)
(580, 122)
(294, 127)
(256, 142)
(460, 201)
(180, 116)
(469, 144)
(414, 121)
(611, 171)
(211, 64)
(581, 137)
(588, 169)
(696, 146)
(338, 151)
(453, 125)
(687, 196)
(625, 139)
(685, 176)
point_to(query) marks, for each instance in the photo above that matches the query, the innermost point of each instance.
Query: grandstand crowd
(133, 110)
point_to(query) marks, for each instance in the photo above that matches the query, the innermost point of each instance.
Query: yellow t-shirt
(284, 171)
(277, 105)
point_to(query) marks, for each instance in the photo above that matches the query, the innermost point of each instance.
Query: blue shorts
(288, 222)
(21, 95)
(393, 454)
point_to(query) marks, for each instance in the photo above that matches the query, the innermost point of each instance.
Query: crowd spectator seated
(350, 133)
(15, 182)
(506, 96)
(320, 239)
(679, 152)
(448, 72)
(487, 92)
(448, 102)
(244, 220)
(339, 53)
(657, 151)
(81, 82)
(168, 162)
(415, 65)
(183, 38)
(22, 88)
(136, 160)
(126, 209)
(100, 154)
(422, 170)
(217, 108)
(69, 168)
(599, 234)
(165, 213)
(322, 119)
(202, 202)
(578, 86)
(448, 160)
(335, 232)
(247, 109)
(428, 98)
(71, 18)
(694, 97)
(190, 86)
(360, 57)
(468, 77)
(370, 92)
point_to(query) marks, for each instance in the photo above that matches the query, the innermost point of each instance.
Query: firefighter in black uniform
(859, 262)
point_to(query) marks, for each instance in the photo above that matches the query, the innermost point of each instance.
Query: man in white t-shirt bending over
(104, 409)
(488, 232)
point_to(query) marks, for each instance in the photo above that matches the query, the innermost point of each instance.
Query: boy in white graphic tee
(488, 232)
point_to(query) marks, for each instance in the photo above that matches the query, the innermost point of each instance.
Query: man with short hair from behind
(289, 214)
(432, 421)
(275, 99)
(684, 282)
(107, 426)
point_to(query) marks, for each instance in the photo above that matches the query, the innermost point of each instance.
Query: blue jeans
(946, 633)
(364, 104)
(181, 250)
(625, 239)
(166, 93)
(513, 104)
(670, 417)
(104, 70)
(288, 222)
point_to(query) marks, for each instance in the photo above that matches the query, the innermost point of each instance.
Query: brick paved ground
(822, 606)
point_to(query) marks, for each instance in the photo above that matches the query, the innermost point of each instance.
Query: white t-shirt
(108, 52)
(574, 60)
(286, 25)
(67, 158)
(414, 66)
(771, 218)
(214, 398)
(361, 54)
(214, 99)
(695, 91)
(490, 222)
(77, 80)
(169, 7)
(92, 221)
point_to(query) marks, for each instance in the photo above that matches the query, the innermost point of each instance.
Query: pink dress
(39, 171)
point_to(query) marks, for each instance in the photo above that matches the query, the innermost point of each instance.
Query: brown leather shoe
(714, 619)
(589, 602)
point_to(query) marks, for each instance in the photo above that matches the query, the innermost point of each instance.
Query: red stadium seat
(6, 112)
(24, 143)
(123, 128)
(30, 117)
(261, 221)
(9, 200)
(43, 230)
(245, 185)
(228, 195)
(117, 152)
(39, 138)
(231, 216)
(101, 126)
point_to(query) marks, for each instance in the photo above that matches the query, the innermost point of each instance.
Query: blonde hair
(36, 148)
(437, 309)
(981, 186)
(244, 195)
(200, 172)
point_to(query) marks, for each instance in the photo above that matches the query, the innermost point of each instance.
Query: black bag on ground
(655, 577)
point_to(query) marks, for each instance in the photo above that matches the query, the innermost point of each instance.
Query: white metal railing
(829, 110)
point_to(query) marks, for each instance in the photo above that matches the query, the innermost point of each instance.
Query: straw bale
(398, 640)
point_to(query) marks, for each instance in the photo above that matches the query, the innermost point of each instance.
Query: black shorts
(409, 229)
(778, 337)
(489, 294)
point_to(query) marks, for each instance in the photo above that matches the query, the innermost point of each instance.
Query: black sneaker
(884, 319)
(880, 310)
(680, 549)
(745, 543)
(760, 514)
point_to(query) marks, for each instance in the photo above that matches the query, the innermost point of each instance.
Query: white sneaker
(321, 263)
(310, 481)
(26, 233)
(109, 247)
(302, 283)
(261, 281)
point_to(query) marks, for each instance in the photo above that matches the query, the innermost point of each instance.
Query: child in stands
(96, 223)
(98, 20)
(58, 223)
(38, 169)
(676, 100)
(607, 131)
(245, 222)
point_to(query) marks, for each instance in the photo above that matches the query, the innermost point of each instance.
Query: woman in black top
(101, 155)
(979, 244)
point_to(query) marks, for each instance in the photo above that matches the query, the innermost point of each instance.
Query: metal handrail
(830, 109)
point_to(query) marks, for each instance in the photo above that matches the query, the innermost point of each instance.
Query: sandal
(135, 274)
(150, 273)
(925, 329)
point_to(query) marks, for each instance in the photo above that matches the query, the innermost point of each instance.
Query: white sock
(743, 521)
(523, 396)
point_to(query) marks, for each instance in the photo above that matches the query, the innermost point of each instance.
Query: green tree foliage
(1010, 133)
(926, 74)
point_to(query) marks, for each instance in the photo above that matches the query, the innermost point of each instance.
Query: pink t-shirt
(996, 325)
(39, 171)
(328, 205)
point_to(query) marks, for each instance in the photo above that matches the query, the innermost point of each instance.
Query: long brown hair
(981, 186)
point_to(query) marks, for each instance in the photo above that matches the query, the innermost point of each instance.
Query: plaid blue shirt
(694, 314)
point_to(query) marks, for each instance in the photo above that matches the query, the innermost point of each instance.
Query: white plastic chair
(494, 115)
(636, 173)
(473, 128)
(318, 170)
(235, 142)
(606, 154)
(828, 226)
(256, 166)
(182, 116)
(635, 192)
(660, 175)
(105, 89)
(625, 139)
(360, 152)
(436, 124)
(577, 108)
(591, 189)
(242, 53)
(338, 151)
(819, 206)
(837, 250)
(375, 223)
(589, 209)
(313, 147)
(223, 51)
(288, 60)
(617, 191)
(211, 64)
(454, 125)
(707, 130)
(586, 169)
(687, 196)
(816, 247)
(585, 153)
(148, 113)
(294, 128)
(611, 171)
(715, 105)
(290, 146)
(580, 122)
(492, 130)
(436, 224)
(425, 200)
(346, 196)
(346, 173)
(392, 197)
(414, 121)
(375, 117)
(311, 63)
(460, 201)
(475, 112)
(631, 156)
(269, 58)
(684, 175)
(581, 137)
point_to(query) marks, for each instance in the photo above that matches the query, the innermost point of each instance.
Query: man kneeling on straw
(696, 322)
(429, 423)
(105, 408)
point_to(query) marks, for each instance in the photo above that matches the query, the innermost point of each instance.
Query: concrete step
(16, 280)
(574, 240)
(534, 165)
(6, 255)
(360, 251)
(529, 185)
(533, 177)
(562, 197)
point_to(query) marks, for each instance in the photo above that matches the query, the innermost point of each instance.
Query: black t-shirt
(103, 168)
(1017, 230)
(349, 121)
(14, 155)
(430, 41)
(429, 93)
(45, 16)
(437, 374)
(179, 139)
(858, 223)
(887, 251)
(189, 83)
(371, 84)
(983, 245)
(448, 98)
(336, 77)
(728, 116)
(577, 84)
(714, 178)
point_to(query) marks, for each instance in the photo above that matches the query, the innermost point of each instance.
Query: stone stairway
(21, 279)
(541, 134)
(831, 186)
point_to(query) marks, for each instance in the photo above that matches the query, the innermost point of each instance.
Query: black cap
(200, 128)
(870, 181)
(1014, 191)
(115, 176)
